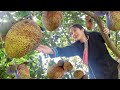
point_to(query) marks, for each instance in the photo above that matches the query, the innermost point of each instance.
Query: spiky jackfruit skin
(55, 72)
(78, 74)
(89, 22)
(67, 66)
(114, 23)
(23, 71)
(23, 37)
(51, 19)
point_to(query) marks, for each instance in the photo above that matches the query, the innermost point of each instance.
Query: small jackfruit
(114, 22)
(89, 22)
(55, 72)
(23, 71)
(11, 69)
(23, 37)
(51, 19)
(67, 66)
(85, 76)
(61, 63)
(78, 74)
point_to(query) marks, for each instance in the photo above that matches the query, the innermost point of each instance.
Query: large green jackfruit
(23, 37)
(51, 19)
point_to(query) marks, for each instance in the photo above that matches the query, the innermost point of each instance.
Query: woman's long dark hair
(80, 27)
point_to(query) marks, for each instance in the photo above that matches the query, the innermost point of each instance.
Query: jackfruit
(89, 22)
(55, 72)
(23, 71)
(113, 20)
(11, 69)
(61, 63)
(23, 37)
(67, 66)
(78, 74)
(85, 76)
(51, 19)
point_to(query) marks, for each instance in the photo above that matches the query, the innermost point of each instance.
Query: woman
(101, 64)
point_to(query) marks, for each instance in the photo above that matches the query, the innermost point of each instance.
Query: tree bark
(105, 37)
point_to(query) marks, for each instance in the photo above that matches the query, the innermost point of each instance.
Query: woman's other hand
(106, 31)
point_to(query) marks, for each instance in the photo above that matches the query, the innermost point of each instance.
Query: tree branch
(105, 37)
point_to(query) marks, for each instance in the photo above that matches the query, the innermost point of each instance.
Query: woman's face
(76, 33)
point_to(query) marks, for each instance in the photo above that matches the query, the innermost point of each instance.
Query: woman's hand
(44, 49)
(106, 31)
